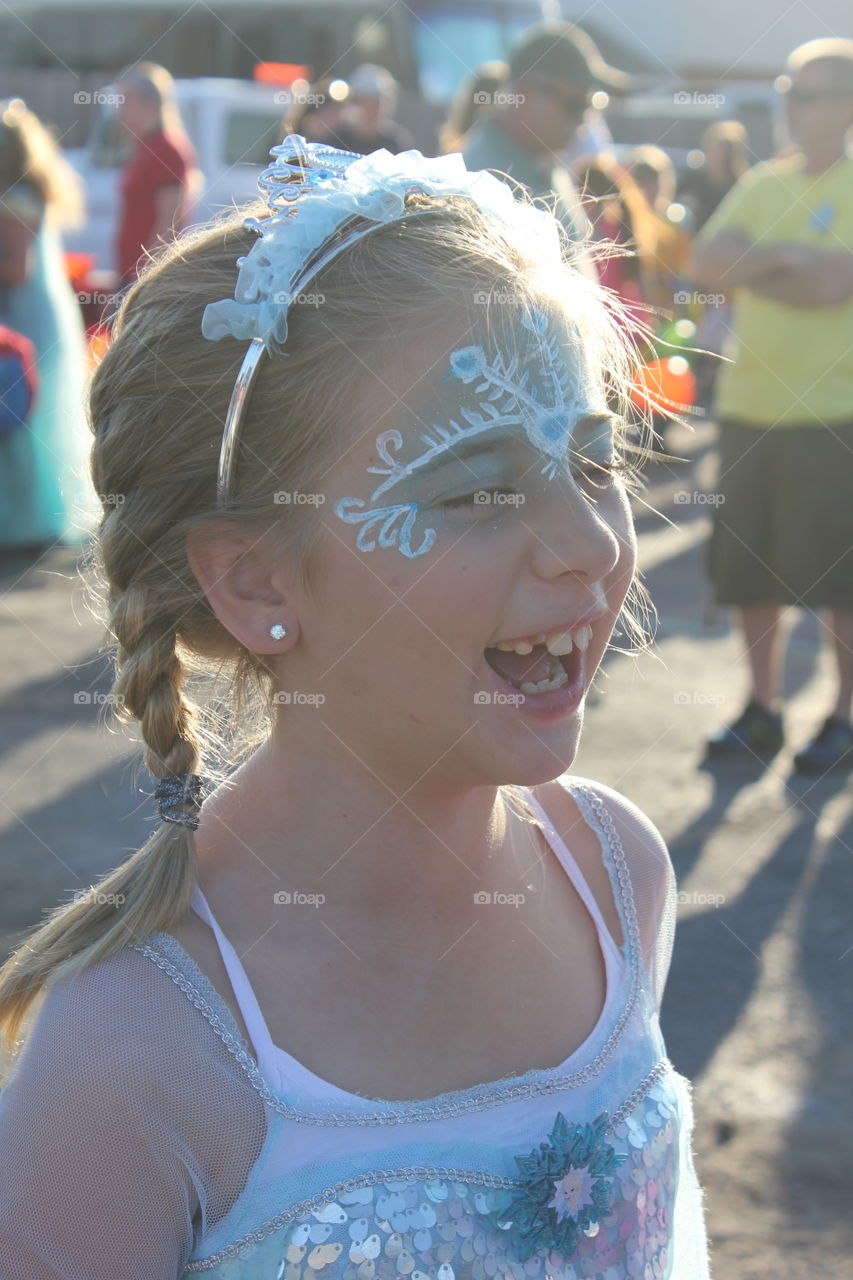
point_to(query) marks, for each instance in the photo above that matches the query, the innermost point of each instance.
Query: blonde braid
(151, 889)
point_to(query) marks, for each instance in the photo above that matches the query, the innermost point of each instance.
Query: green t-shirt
(793, 365)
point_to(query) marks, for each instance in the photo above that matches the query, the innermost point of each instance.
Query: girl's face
(137, 113)
(477, 511)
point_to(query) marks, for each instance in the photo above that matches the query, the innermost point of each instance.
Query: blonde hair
(652, 159)
(158, 402)
(734, 135)
(29, 153)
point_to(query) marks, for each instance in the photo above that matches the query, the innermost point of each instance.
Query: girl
(385, 1002)
(161, 184)
(45, 491)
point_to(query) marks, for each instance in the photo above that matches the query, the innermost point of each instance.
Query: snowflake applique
(567, 1188)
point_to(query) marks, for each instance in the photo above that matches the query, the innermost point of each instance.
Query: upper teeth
(559, 643)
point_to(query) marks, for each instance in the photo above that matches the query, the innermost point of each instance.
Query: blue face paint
(543, 391)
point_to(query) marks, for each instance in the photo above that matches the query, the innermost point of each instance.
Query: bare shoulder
(646, 852)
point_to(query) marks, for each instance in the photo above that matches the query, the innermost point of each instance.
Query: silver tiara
(321, 201)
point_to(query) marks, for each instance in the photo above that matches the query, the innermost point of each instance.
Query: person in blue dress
(46, 495)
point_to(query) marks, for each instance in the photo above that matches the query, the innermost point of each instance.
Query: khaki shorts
(783, 521)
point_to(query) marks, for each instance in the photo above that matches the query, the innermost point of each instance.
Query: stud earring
(277, 631)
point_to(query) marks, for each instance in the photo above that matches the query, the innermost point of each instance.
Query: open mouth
(537, 672)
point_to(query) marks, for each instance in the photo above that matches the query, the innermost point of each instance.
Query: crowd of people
(782, 406)
(454, 605)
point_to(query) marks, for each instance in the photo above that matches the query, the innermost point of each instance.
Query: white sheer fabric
(139, 1140)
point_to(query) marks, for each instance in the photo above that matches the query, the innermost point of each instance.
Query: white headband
(321, 199)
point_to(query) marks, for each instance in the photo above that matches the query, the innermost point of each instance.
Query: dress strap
(250, 1009)
(575, 874)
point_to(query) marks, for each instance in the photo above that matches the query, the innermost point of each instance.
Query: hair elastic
(177, 789)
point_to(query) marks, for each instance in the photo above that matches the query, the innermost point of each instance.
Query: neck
(279, 827)
(822, 157)
(513, 124)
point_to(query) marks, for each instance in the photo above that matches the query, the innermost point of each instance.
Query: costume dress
(46, 492)
(165, 1148)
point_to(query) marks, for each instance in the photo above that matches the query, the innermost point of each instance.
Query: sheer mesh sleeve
(126, 1129)
(652, 882)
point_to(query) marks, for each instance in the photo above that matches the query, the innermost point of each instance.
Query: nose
(570, 535)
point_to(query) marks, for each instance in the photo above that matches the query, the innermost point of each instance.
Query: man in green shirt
(782, 244)
(553, 70)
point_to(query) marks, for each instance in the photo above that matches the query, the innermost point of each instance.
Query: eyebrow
(469, 449)
(484, 444)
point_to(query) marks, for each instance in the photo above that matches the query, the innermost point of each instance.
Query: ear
(248, 584)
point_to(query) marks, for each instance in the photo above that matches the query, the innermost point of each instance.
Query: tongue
(518, 668)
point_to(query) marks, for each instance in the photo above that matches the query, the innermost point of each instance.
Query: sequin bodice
(584, 1170)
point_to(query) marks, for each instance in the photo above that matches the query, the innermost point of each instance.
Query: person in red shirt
(161, 184)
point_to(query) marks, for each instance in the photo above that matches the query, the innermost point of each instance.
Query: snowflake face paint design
(541, 392)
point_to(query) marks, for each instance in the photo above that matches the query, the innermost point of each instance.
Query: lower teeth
(546, 686)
